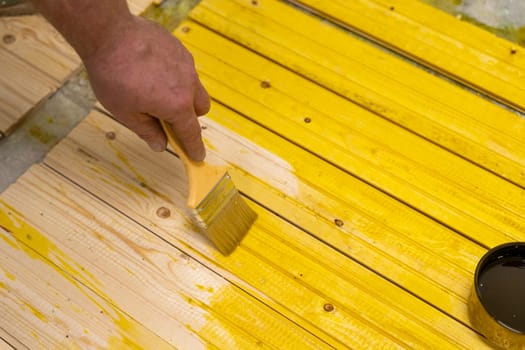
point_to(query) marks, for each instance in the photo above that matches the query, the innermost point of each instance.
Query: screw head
(265, 84)
(328, 307)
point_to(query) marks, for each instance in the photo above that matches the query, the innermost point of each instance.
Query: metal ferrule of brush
(216, 200)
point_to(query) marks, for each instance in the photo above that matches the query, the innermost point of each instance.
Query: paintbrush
(219, 209)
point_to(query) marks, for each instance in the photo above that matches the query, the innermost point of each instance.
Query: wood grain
(438, 183)
(126, 265)
(8, 342)
(22, 86)
(45, 307)
(456, 48)
(113, 168)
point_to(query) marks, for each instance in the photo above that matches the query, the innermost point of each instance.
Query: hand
(140, 72)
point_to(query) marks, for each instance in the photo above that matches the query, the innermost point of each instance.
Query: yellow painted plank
(454, 118)
(410, 249)
(114, 169)
(154, 282)
(456, 48)
(427, 177)
(46, 308)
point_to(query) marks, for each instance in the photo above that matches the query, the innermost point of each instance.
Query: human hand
(140, 72)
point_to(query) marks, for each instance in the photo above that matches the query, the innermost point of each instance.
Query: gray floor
(30, 142)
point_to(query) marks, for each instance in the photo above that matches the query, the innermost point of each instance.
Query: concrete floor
(505, 18)
(21, 149)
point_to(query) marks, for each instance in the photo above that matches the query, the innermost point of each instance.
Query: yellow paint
(383, 84)
(126, 162)
(10, 276)
(130, 336)
(435, 38)
(204, 288)
(41, 135)
(411, 168)
(37, 246)
(36, 312)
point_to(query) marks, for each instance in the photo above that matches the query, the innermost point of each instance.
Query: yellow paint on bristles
(219, 209)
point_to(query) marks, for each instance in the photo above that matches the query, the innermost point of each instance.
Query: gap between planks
(433, 38)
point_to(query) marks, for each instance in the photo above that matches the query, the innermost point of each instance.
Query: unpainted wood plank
(21, 87)
(434, 38)
(398, 91)
(8, 342)
(4, 345)
(36, 42)
(138, 6)
(115, 168)
(427, 177)
(154, 282)
(46, 307)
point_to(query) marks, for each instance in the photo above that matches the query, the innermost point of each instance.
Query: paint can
(497, 301)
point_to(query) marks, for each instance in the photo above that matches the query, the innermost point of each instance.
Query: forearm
(86, 24)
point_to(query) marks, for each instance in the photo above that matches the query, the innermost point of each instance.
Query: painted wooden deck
(378, 186)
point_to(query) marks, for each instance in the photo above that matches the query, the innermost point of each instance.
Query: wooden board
(8, 342)
(412, 98)
(117, 175)
(368, 229)
(454, 47)
(407, 167)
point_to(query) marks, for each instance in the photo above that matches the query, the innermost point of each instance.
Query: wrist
(105, 36)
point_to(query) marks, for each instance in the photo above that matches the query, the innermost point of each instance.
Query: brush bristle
(225, 216)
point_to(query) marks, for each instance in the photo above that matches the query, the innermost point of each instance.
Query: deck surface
(378, 186)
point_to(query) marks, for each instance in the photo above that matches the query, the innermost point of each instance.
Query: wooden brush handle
(202, 177)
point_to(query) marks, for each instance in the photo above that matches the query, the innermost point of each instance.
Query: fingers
(179, 112)
(149, 129)
(188, 131)
(201, 99)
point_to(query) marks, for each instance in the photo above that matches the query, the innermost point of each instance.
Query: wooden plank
(21, 87)
(453, 118)
(438, 183)
(35, 62)
(113, 169)
(437, 39)
(5, 345)
(154, 282)
(8, 342)
(36, 42)
(138, 6)
(48, 308)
